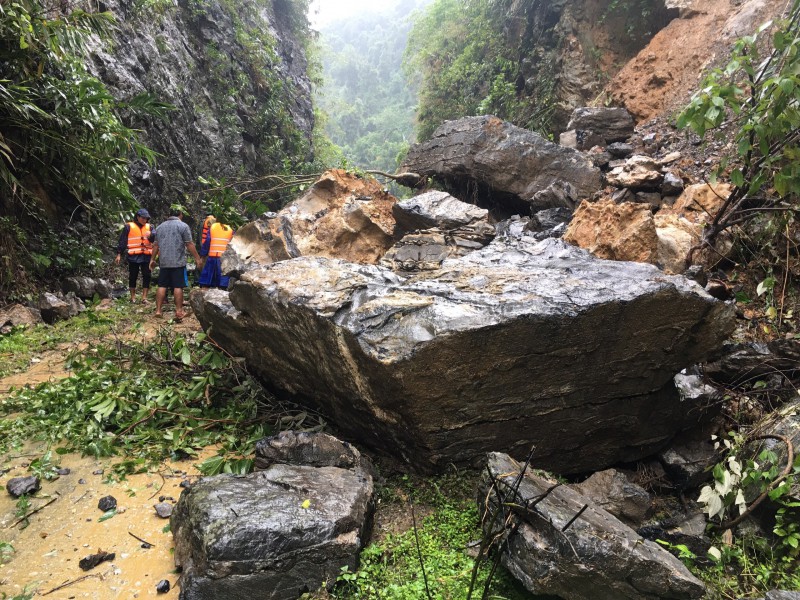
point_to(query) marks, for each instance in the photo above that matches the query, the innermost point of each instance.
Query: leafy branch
(760, 99)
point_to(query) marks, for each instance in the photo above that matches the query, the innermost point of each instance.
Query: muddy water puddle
(68, 527)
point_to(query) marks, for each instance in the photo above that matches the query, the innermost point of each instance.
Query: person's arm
(122, 244)
(193, 251)
(154, 256)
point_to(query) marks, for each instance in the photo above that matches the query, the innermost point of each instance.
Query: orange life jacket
(206, 227)
(220, 237)
(139, 239)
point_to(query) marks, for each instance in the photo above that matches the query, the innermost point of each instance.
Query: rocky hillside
(236, 75)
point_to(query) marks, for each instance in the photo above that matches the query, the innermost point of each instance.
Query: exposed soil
(663, 76)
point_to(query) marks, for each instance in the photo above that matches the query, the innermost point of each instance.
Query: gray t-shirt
(171, 237)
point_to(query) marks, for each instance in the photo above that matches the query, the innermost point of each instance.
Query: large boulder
(516, 344)
(279, 532)
(500, 165)
(340, 216)
(564, 544)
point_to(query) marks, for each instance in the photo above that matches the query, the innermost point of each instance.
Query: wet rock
(19, 486)
(508, 164)
(53, 308)
(672, 185)
(620, 149)
(755, 359)
(441, 366)
(686, 528)
(286, 529)
(612, 491)
(163, 509)
(18, 315)
(427, 250)
(63, 471)
(85, 288)
(163, 586)
(592, 556)
(90, 562)
(437, 210)
(609, 124)
(107, 503)
(306, 448)
(559, 194)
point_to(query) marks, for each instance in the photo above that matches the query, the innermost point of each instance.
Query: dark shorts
(172, 278)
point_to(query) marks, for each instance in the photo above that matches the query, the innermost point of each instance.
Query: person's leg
(145, 282)
(133, 275)
(178, 293)
(161, 293)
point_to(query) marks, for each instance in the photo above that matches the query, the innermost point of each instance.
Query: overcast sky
(323, 12)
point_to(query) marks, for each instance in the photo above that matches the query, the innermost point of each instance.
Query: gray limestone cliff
(236, 75)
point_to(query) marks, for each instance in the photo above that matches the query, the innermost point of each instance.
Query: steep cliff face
(236, 74)
(568, 49)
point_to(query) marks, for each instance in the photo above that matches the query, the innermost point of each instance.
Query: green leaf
(107, 515)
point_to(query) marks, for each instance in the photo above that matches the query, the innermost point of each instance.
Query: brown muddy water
(67, 525)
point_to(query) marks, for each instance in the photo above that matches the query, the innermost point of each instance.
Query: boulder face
(278, 532)
(500, 165)
(517, 344)
(567, 546)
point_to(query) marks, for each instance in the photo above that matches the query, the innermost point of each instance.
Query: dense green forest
(367, 101)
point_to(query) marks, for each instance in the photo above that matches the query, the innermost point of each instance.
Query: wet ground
(67, 525)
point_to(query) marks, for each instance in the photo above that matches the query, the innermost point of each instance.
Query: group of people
(167, 246)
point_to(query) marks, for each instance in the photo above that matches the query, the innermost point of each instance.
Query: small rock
(163, 509)
(98, 472)
(107, 503)
(19, 486)
(185, 484)
(82, 481)
(63, 471)
(91, 561)
(162, 587)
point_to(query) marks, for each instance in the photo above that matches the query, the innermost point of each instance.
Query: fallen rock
(592, 556)
(107, 503)
(610, 124)
(163, 586)
(436, 210)
(306, 448)
(282, 531)
(637, 173)
(340, 216)
(90, 562)
(85, 288)
(612, 491)
(516, 344)
(503, 165)
(18, 315)
(53, 308)
(624, 231)
(20, 486)
(163, 509)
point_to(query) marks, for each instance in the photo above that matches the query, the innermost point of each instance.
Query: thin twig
(419, 550)
(68, 583)
(33, 512)
(141, 540)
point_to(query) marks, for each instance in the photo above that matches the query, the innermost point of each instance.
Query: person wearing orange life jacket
(219, 236)
(209, 220)
(136, 240)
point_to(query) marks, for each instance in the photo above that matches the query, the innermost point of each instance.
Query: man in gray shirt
(172, 239)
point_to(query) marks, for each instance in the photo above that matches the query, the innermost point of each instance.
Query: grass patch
(393, 568)
(25, 343)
